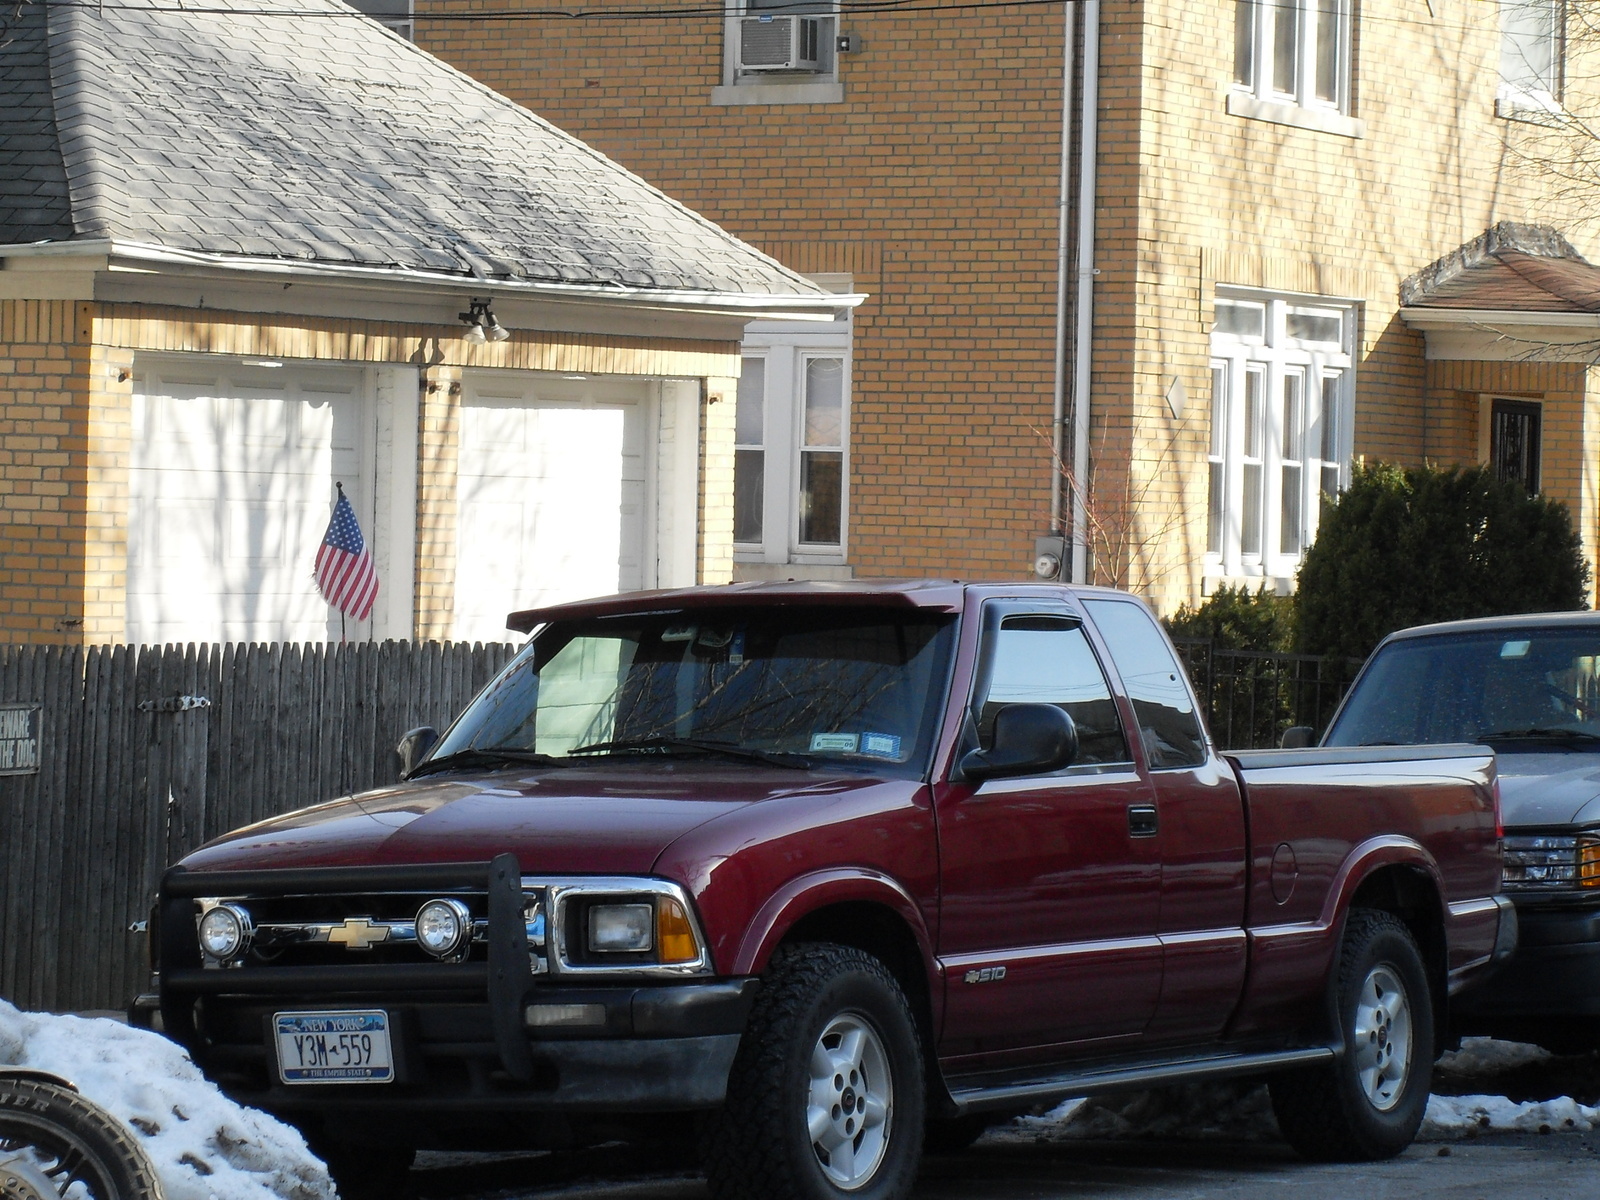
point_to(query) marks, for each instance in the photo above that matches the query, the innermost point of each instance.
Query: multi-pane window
(1293, 51)
(1291, 462)
(1281, 397)
(791, 444)
(1531, 54)
(1216, 459)
(750, 453)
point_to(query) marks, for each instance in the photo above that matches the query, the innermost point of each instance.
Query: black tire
(52, 1139)
(759, 1145)
(1369, 1104)
(952, 1135)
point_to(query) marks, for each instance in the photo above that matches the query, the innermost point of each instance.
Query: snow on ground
(1451, 1117)
(1240, 1113)
(203, 1145)
(1232, 1111)
(1485, 1056)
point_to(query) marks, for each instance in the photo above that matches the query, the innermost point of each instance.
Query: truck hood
(613, 818)
(1549, 789)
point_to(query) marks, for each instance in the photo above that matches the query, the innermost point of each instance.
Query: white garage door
(551, 489)
(231, 485)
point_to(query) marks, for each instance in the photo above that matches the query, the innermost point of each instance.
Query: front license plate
(334, 1047)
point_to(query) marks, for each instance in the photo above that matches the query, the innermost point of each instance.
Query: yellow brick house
(246, 260)
(1147, 275)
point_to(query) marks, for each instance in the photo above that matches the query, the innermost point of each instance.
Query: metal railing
(1251, 696)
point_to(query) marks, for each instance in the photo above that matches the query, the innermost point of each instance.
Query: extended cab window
(1518, 683)
(1168, 722)
(1047, 659)
(830, 683)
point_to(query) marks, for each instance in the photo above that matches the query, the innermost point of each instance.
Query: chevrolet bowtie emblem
(358, 933)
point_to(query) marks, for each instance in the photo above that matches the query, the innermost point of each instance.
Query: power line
(654, 12)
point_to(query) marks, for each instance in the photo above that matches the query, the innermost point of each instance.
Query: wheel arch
(872, 913)
(1411, 894)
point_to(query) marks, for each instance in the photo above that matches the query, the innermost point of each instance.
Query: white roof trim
(1496, 318)
(818, 307)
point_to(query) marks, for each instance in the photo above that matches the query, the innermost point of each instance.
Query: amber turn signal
(674, 935)
(1588, 862)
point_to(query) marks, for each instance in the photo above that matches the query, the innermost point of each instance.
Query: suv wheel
(825, 1099)
(1369, 1104)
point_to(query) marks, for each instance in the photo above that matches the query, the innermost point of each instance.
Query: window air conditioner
(779, 43)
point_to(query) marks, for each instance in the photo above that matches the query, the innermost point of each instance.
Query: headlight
(1554, 863)
(621, 928)
(443, 927)
(225, 932)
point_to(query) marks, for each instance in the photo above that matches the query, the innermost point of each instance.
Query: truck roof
(1545, 620)
(938, 595)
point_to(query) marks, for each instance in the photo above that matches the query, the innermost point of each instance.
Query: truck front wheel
(825, 1099)
(1369, 1104)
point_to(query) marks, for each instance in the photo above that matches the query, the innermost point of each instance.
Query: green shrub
(1407, 546)
(1235, 618)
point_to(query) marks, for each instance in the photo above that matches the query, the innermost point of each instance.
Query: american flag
(344, 571)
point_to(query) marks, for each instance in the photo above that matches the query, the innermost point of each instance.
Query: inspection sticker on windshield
(1515, 649)
(334, 1047)
(845, 743)
(881, 745)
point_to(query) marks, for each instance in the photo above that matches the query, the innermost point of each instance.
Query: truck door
(1199, 829)
(1049, 891)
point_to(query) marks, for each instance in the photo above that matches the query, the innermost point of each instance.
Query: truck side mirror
(414, 747)
(1298, 737)
(1028, 739)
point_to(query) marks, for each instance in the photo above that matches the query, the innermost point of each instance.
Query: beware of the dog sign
(19, 739)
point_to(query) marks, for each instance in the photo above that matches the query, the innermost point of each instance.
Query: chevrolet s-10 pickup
(817, 873)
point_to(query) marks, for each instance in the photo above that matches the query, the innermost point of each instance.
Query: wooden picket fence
(146, 752)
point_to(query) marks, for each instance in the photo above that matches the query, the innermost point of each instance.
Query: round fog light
(443, 927)
(225, 932)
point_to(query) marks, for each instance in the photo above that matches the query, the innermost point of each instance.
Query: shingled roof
(298, 130)
(1510, 268)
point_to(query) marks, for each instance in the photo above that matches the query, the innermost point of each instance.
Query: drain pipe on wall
(1058, 418)
(1083, 338)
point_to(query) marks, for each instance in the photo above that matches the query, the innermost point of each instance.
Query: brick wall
(934, 186)
(1570, 417)
(44, 363)
(934, 183)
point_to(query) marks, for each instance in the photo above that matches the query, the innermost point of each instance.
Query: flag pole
(339, 484)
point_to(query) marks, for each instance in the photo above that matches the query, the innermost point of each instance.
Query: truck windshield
(1524, 685)
(776, 683)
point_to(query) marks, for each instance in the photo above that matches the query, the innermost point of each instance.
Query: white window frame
(785, 347)
(740, 86)
(1522, 94)
(1257, 94)
(1328, 373)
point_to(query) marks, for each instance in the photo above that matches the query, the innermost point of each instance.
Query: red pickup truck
(838, 868)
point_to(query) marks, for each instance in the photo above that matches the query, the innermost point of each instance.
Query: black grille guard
(504, 980)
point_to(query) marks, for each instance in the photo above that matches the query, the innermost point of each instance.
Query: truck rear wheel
(1369, 1104)
(825, 1099)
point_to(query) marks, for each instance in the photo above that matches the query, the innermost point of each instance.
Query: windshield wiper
(474, 756)
(794, 762)
(1555, 735)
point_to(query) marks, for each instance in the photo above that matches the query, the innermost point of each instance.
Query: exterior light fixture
(482, 325)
